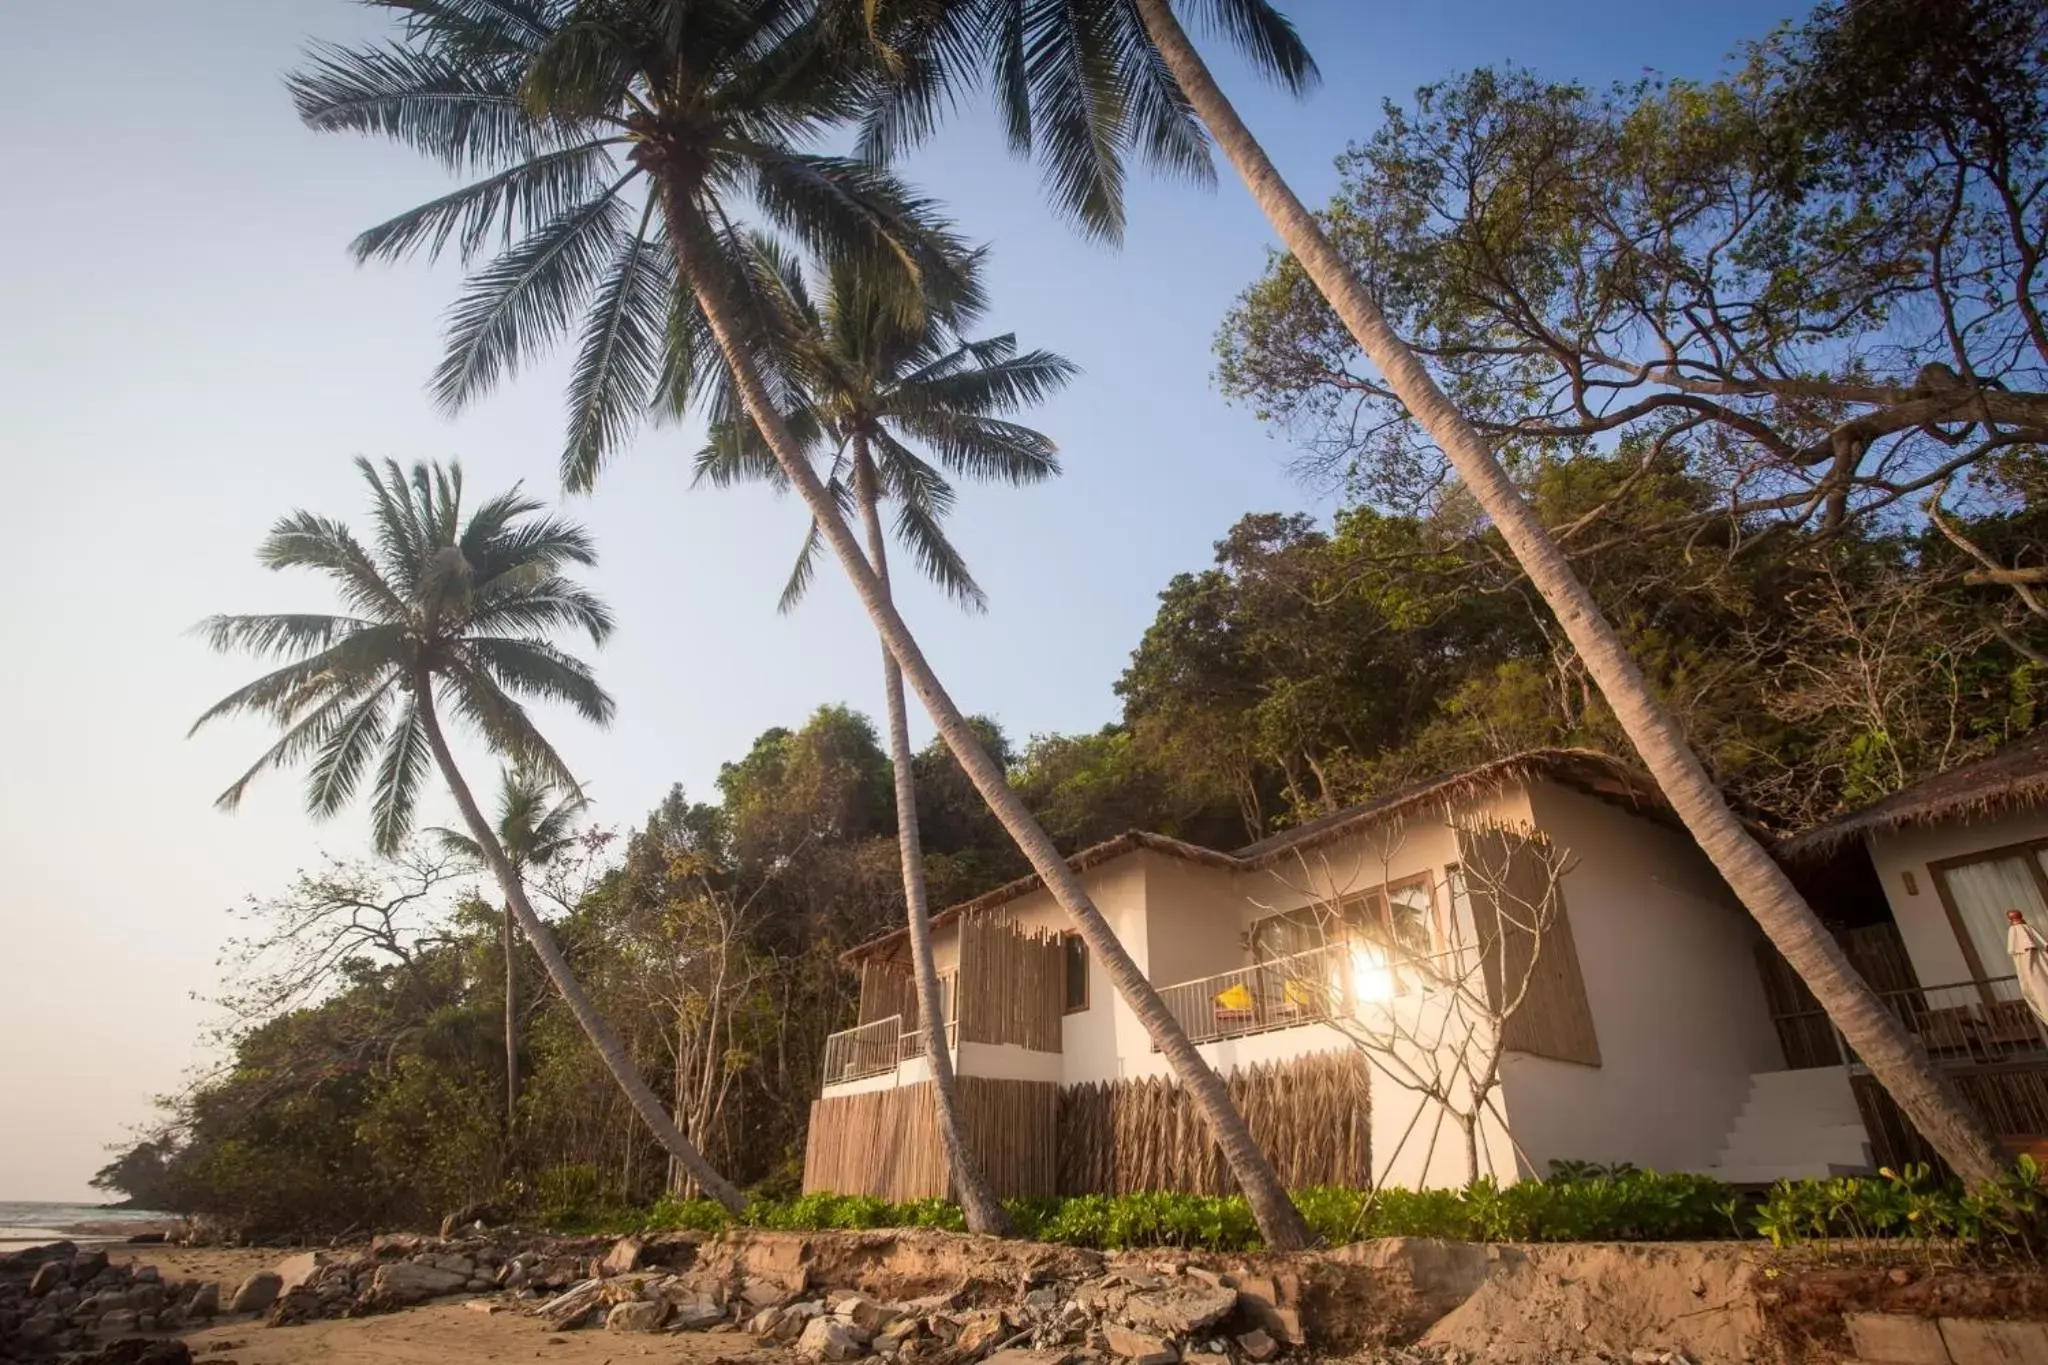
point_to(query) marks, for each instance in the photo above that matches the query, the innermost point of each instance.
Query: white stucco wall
(1930, 938)
(1678, 1007)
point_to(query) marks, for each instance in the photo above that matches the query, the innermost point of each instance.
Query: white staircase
(1795, 1124)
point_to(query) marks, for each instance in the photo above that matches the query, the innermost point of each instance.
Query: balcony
(879, 1046)
(1981, 1023)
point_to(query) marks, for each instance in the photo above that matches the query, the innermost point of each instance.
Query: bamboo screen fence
(886, 989)
(886, 1142)
(1012, 984)
(1312, 1116)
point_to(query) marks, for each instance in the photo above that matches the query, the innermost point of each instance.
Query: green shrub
(1581, 1202)
(2007, 1216)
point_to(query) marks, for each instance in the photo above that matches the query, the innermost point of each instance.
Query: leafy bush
(1579, 1203)
(2007, 1216)
(1627, 1205)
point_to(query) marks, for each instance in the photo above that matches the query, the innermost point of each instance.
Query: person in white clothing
(2029, 962)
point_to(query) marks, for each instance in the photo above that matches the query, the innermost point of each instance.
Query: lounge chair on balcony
(1235, 1011)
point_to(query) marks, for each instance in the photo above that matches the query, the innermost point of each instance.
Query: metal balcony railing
(1965, 1023)
(1282, 993)
(879, 1046)
(868, 1050)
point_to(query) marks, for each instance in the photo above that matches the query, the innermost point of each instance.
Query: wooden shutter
(1554, 1018)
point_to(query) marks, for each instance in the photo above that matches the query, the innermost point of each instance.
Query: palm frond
(302, 540)
(482, 703)
(395, 796)
(520, 199)
(918, 526)
(538, 669)
(298, 740)
(481, 29)
(456, 844)
(339, 765)
(462, 113)
(346, 668)
(549, 604)
(1021, 381)
(839, 206)
(527, 296)
(622, 355)
(1266, 39)
(402, 542)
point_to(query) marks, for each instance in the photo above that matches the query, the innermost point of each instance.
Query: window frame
(1382, 916)
(1069, 937)
(2027, 851)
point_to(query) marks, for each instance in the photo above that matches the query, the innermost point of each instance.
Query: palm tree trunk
(1893, 1054)
(978, 1202)
(509, 946)
(1280, 1223)
(594, 1027)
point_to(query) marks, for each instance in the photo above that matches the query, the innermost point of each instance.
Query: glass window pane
(1077, 973)
(1278, 936)
(1408, 910)
(1983, 892)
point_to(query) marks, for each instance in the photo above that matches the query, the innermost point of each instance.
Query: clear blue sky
(186, 352)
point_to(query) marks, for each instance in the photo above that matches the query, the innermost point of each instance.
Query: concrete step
(1772, 1174)
(1792, 1125)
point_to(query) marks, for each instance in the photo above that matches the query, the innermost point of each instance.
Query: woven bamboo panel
(886, 1142)
(1554, 1018)
(886, 989)
(1011, 985)
(1312, 1116)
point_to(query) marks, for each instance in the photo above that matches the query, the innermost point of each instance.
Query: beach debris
(637, 1315)
(624, 1257)
(257, 1292)
(831, 1339)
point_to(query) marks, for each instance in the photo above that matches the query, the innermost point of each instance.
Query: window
(1977, 891)
(1400, 916)
(1284, 935)
(1077, 972)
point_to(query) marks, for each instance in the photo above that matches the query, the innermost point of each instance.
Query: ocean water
(29, 1222)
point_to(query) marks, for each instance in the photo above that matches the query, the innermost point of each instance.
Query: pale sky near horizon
(186, 352)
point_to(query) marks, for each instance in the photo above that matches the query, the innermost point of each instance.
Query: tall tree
(870, 383)
(1092, 123)
(548, 97)
(534, 827)
(448, 612)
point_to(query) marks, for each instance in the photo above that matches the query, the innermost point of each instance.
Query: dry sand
(435, 1334)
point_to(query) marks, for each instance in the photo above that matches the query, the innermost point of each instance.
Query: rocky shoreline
(986, 1301)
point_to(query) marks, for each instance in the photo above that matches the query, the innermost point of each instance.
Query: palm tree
(870, 383)
(534, 829)
(1082, 131)
(449, 613)
(568, 106)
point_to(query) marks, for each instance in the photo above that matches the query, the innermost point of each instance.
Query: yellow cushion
(1236, 998)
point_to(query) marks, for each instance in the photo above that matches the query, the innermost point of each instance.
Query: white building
(1381, 944)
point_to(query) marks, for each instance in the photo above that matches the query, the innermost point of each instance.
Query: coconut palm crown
(534, 827)
(1077, 84)
(446, 610)
(602, 141)
(870, 384)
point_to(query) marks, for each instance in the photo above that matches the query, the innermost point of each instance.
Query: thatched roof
(2014, 778)
(1595, 774)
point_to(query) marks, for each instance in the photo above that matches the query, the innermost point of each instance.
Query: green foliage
(2004, 1217)
(1623, 1205)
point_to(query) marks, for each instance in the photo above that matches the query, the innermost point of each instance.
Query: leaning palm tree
(446, 612)
(1149, 89)
(565, 110)
(871, 384)
(534, 828)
